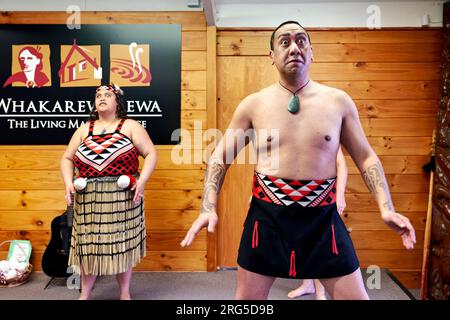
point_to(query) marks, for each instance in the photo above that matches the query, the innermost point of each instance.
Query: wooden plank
(382, 240)
(402, 201)
(397, 108)
(156, 240)
(401, 183)
(409, 278)
(15, 159)
(345, 36)
(372, 70)
(51, 180)
(329, 71)
(211, 124)
(193, 80)
(173, 261)
(189, 20)
(170, 219)
(371, 221)
(165, 162)
(39, 239)
(410, 127)
(170, 241)
(193, 60)
(193, 40)
(400, 145)
(154, 261)
(394, 164)
(396, 90)
(193, 119)
(335, 52)
(41, 220)
(39, 200)
(392, 259)
(193, 100)
(27, 220)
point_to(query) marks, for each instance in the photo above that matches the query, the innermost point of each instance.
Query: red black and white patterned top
(109, 154)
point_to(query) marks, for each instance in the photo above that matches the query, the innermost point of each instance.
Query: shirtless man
(293, 229)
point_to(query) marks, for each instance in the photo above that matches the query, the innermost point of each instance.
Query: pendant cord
(294, 93)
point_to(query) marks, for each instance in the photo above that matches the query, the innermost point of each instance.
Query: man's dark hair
(272, 38)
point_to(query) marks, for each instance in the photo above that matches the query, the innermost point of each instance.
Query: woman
(108, 233)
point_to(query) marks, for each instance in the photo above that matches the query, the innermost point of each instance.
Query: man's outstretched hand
(203, 220)
(402, 226)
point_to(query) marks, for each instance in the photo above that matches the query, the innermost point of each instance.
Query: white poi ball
(12, 273)
(4, 266)
(80, 183)
(126, 181)
(14, 264)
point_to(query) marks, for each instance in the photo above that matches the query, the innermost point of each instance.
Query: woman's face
(105, 101)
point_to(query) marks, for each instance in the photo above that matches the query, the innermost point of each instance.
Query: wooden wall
(393, 76)
(31, 187)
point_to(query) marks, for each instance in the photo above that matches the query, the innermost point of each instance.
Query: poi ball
(4, 266)
(126, 181)
(80, 183)
(11, 274)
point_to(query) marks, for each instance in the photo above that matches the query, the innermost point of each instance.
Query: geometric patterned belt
(284, 192)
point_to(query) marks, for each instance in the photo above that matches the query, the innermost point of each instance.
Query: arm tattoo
(215, 173)
(375, 180)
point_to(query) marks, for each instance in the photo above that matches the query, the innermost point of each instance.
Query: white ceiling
(307, 1)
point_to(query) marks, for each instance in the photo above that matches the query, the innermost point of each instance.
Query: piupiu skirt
(293, 230)
(108, 231)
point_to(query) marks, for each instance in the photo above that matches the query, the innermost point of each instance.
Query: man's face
(28, 61)
(292, 52)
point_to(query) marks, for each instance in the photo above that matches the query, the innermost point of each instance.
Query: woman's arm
(146, 148)
(66, 164)
(341, 181)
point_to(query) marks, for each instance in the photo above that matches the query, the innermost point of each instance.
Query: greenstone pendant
(294, 104)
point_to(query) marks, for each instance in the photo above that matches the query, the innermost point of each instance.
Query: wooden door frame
(211, 105)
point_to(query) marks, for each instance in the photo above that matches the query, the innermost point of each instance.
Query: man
(293, 229)
(30, 61)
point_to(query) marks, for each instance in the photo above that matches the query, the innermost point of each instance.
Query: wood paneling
(371, 221)
(182, 260)
(395, 164)
(189, 21)
(338, 52)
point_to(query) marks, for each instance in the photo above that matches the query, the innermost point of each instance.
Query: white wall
(330, 14)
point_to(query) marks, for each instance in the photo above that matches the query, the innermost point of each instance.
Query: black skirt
(293, 230)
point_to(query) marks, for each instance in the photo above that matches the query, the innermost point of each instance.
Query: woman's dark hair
(121, 110)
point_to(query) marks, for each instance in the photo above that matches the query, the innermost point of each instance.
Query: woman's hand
(138, 188)
(70, 190)
(340, 202)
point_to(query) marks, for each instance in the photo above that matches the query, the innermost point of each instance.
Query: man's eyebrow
(288, 34)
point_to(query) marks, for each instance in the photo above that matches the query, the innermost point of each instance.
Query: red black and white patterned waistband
(284, 192)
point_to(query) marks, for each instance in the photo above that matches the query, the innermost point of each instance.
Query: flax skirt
(108, 232)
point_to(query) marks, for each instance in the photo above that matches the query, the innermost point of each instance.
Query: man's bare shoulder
(341, 97)
(254, 100)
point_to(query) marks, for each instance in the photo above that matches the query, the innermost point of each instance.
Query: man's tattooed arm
(215, 173)
(376, 182)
